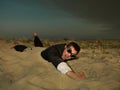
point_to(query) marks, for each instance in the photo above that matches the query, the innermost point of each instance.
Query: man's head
(34, 34)
(71, 50)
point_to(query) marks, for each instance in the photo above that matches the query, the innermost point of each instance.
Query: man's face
(69, 52)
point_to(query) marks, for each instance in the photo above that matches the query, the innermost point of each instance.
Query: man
(59, 54)
(37, 42)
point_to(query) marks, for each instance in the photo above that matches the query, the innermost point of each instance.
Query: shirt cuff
(63, 67)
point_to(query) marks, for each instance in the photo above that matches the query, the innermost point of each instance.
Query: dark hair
(75, 45)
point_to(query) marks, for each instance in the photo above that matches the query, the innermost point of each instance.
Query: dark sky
(59, 19)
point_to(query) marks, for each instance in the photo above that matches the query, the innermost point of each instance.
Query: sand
(29, 71)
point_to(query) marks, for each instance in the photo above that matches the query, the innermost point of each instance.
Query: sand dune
(29, 71)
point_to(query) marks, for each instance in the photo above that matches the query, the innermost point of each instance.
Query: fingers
(81, 75)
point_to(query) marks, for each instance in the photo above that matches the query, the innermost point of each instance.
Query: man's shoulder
(58, 45)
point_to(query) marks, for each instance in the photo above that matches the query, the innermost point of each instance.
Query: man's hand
(80, 75)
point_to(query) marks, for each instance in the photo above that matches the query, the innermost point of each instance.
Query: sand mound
(29, 71)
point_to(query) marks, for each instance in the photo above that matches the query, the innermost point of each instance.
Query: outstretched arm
(74, 75)
(65, 69)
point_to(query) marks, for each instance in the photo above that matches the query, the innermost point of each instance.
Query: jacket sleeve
(58, 62)
(54, 57)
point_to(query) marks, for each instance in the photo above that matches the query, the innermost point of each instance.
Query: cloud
(102, 11)
(100, 17)
(99, 11)
(91, 9)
